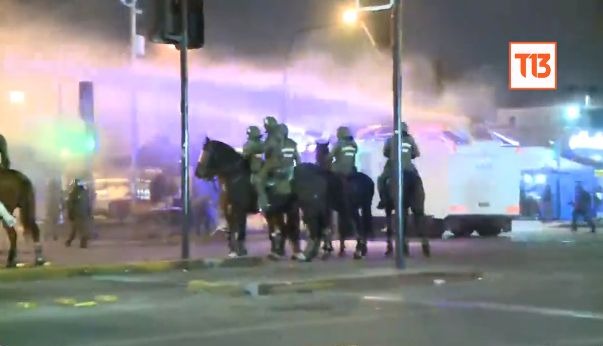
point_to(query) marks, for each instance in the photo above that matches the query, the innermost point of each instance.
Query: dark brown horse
(17, 192)
(414, 200)
(359, 199)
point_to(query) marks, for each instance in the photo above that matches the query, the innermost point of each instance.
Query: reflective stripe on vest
(349, 150)
(406, 147)
(288, 152)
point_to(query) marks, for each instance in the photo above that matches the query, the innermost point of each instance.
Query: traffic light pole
(184, 163)
(397, 107)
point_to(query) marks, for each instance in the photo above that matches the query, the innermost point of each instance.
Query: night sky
(466, 35)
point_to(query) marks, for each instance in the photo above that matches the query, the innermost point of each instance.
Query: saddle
(279, 181)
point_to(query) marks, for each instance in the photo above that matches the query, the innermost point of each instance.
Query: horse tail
(27, 207)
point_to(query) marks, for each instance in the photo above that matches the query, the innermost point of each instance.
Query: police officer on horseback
(343, 155)
(290, 154)
(7, 217)
(273, 157)
(410, 151)
(253, 151)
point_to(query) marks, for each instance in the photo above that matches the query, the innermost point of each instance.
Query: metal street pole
(397, 104)
(184, 165)
(134, 11)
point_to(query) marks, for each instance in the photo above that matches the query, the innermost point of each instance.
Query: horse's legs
(232, 234)
(293, 231)
(418, 210)
(313, 245)
(275, 224)
(361, 236)
(11, 261)
(327, 234)
(389, 231)
(341, 230)
(241, 233)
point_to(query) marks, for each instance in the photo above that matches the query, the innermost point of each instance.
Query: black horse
(17, 191)
(359, 217)
(308, 186)
(414, 200)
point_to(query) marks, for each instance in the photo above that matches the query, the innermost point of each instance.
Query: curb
(50, 272)
(349, 282)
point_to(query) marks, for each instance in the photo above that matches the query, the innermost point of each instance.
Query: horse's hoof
(342, 254)
(358, 255)
(299, 256)
(274, 256)
(40, 261)
(232, 254)
(326, 255)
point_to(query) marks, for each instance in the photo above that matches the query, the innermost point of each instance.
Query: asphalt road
(539, 288)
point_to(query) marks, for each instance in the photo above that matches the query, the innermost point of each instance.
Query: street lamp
(349, 17)
(16, 97)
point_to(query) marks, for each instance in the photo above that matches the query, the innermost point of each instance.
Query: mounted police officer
(253, 150)
(410, 151)
(343, 158)
(273, 156)
(343, 155)
(290, 154)
(7, 217)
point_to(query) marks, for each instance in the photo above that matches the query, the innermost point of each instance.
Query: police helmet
(270, 122)
(284, 130)
(343, 132)
(254, 132)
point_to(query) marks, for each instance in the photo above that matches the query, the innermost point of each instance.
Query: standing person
(546, 203)
(79, 210)
(54, 206)
(582, 207)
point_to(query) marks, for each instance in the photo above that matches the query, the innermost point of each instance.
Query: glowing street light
(350, 16)
(572, 112)
(16, 97)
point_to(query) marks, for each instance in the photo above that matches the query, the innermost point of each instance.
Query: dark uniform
(582, 207)
(343, 155)
(79, 210)
(253, 150)
(291, 156)
(5, 159)
(54, 199)
(410, 151)
(273, 157)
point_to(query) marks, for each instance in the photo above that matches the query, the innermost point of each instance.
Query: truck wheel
(489, 231)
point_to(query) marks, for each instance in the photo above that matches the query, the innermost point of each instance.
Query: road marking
(166, 339)
(495, 307)
(106, 298)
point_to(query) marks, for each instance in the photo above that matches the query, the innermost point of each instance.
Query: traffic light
(166, 23)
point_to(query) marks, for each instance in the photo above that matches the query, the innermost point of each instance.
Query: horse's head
(322, 150)
(217, 159)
